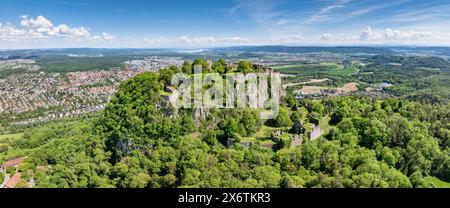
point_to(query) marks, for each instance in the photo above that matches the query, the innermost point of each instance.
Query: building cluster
(27, 91)
(153, 63)
(58, 95)
(83, 78)
(34, 96)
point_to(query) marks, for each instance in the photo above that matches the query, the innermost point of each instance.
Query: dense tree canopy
(245, 66)
(139, 141)
(203, 63)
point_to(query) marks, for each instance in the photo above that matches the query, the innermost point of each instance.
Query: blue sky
(209, 23)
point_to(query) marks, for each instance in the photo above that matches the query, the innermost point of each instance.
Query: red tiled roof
(13, 163)
(13, 181)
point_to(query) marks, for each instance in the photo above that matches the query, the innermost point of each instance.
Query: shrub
(2, 177)
(11, 170)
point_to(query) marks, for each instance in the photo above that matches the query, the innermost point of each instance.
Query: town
(33, 96)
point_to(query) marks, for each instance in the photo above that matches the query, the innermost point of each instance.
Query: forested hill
(133, 143)
(412, 61)
(310, 49)
(419, 78)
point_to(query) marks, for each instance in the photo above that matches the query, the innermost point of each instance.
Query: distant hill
(310, 49)
(412, 61)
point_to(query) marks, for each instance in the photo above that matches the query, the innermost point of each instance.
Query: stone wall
(314, 133)
(297, 140)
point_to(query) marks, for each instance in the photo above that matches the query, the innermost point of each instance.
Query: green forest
(139, 142)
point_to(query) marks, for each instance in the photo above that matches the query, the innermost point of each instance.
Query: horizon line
(216, 47)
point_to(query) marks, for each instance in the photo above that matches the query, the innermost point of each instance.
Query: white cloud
(9, 32)
(325, 37)
(198, 40)
(298, 37)
(39, 22)
(264, 13)
(78, 33)
(281, 22)
(40, 28)
(368, 36)
(402, 36)
(104, 37)
(204, 40)
(195, 41)
(157, 40)
(108, 37)
(235, 39)
(284, 39)
(62, 29)
(185, 39)
(324, 13)
(347, 10)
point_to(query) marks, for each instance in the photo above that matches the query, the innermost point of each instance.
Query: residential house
(12, 163)
(13, 181)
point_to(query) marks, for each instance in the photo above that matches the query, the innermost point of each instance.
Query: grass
(162, 92)
(263, 135)
(261, 140)
(13, 153)
(248, 139)
(267, 142)
(437, 182)
(9, 137)
(265, 131)
(319, 70)
(330, 64)
(331, 70)
(324, 124)
(288, 66)
(343, 72)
